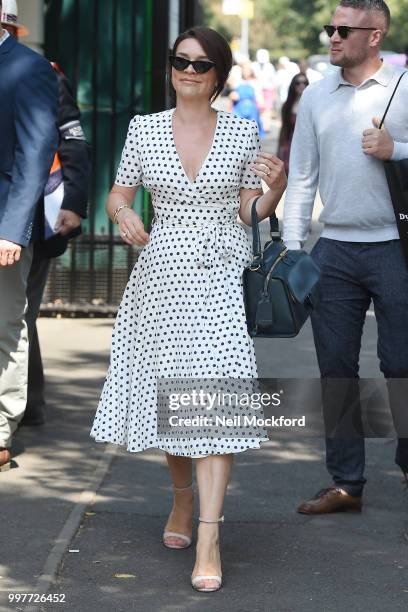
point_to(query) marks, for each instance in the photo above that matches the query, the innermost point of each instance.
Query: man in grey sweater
(338, 147)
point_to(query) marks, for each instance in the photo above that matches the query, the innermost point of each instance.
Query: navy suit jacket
(28, 137)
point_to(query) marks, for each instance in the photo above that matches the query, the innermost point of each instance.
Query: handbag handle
(391, 99)
(256, 236)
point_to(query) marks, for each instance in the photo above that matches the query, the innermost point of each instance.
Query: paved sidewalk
(273, 558)
(55, 463)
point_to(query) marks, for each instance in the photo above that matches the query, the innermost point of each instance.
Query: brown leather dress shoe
(331, 500)
(5, 459)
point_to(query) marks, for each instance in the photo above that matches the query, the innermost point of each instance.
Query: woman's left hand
(271, 170)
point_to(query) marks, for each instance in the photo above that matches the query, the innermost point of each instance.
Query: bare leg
(181, 516)
(181, 470)
(213, 474)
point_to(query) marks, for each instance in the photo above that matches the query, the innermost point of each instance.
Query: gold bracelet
(117, 211)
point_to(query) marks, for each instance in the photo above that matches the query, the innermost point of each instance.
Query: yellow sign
(242, 8)
(247, 9)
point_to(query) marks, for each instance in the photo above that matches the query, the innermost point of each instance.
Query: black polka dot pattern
(182, 313)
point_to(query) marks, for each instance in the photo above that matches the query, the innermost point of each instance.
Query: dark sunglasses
(181, 63)
(343, 30)
(301, 82)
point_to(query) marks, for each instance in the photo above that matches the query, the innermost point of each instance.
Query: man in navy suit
(72, 165)
(29, 139)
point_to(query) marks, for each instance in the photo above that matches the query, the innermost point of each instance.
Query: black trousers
(37, 280)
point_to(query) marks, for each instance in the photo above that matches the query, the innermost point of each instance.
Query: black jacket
(73, 151)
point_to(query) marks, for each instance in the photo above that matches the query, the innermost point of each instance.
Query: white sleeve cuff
(293, 245)
(400, 151)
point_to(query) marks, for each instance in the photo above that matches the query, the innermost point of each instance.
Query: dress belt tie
(216, 241)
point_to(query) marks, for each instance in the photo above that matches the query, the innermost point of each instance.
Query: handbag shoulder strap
(256, 236)
(391, 99)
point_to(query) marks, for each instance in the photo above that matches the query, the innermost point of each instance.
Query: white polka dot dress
(182, 314)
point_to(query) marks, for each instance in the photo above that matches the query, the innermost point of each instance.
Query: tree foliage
(397, 39)
(292, 27)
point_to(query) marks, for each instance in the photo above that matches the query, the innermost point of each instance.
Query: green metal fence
(114, 54)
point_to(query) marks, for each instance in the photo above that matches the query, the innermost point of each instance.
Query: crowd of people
(258, 90)
(183, 313)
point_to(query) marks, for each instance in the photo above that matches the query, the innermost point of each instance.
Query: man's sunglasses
(343, 30)
(181, 63)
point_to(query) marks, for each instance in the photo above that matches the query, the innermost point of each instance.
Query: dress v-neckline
(203, 165)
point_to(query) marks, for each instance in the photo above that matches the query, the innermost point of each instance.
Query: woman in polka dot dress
(182, 313)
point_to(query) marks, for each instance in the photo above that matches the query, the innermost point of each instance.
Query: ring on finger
(125, 234)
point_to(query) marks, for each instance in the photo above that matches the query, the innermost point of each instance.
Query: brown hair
(216, 48)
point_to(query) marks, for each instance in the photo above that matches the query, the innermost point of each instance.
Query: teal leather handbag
(280, 285)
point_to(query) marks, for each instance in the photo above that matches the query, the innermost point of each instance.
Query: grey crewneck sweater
(327, 153)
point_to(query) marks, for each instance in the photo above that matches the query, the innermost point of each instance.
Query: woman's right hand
(131, 228)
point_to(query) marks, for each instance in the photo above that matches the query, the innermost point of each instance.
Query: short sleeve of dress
(129, 173)
(249, 180)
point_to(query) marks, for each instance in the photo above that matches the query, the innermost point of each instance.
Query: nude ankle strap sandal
(219, 520)
(195, 582)
(174, 534)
